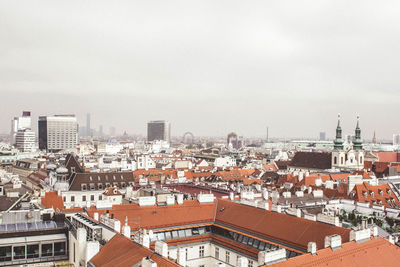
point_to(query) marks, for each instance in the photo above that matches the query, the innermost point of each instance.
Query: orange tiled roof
(129, 254)
(376, 252)
(375, 194)
(190, 212)
(289, 230)
(52, 200)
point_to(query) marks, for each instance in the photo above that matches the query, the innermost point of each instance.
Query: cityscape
(210, 134)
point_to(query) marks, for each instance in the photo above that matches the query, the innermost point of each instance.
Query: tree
(390, 221)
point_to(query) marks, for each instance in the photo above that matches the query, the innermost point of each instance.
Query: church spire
(338, 142)
(357, 143)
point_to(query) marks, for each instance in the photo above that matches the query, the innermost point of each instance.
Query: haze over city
(207, 67)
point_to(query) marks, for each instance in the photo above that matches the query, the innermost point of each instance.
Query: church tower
(358, 147)
(338, 154)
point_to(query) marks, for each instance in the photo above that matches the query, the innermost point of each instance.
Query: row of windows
(32, 251)
(84, 198)
(228, 257)
(180, 233)
(245, 240)
(100, 186)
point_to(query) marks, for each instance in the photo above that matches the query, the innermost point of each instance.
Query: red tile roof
(375, 194)
(52, 200)
(376, 252)
(152, 217)
(280, 227)
(129, 254)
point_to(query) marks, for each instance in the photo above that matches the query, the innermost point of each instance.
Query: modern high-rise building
(58, 132)
(101, 131)
(396, 139)
(88, 129)
(25, 140)
(20, 123)
(322, 136)
(158, 130)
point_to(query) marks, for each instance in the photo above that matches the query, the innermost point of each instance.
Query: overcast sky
(209, 67)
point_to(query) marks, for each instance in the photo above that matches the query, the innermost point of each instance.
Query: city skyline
(232, 67)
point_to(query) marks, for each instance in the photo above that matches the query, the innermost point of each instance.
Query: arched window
(341, 160)
(361, 159)
(335, 160)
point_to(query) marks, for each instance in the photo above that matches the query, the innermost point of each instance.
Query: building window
(100, 197)
(216, 252)
(335, 160)
(59, 249)
(91, 197)
(47, 250)
(32, 251)
(83, 198)
(5, 253)
(83, 187)
(250, 263)
(19, 252)
(227, 256)
(201, 252)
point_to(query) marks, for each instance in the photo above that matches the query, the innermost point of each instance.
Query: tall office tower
(112, 131)
(158, 130)
(101, 131)
(25, 140)
(396, 139)
(58, 132)
(88, 129)
(322, 136)
(20, 123)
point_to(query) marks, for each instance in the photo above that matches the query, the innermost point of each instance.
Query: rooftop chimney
(333, 241)
(312, 248)
(147, 262)
(360, 235)
(270, 257)
(161, 248)
(179, 199)
(146, 241)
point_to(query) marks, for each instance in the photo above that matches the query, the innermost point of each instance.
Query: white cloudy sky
(207, 66)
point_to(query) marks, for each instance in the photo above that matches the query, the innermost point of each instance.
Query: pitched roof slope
(276, 226)
(129, 253)
(376, 252)
(52, 200)
(312, 160)
(152, 217)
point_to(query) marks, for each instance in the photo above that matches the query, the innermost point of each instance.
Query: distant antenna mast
(267, 133)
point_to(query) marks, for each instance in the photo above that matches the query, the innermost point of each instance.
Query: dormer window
(123, 185)
(380, 192)
(364, 193)
(91, 178)
(114, 177)
(83, 187)
(371, 193)
(108, 185)
(98, 178)
(115, 184)
(122, 177)
(100, 186)
(92, 187)
(389, 192)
